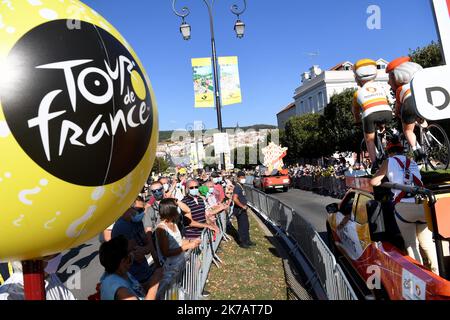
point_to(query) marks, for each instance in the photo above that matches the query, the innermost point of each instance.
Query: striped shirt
(198, 214)
(371, 97)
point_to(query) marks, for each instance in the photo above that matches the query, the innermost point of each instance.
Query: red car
(278, 181)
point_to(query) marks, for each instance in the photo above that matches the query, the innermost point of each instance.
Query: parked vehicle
(279, 180)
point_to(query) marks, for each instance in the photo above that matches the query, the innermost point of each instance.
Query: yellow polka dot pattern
(39, 213)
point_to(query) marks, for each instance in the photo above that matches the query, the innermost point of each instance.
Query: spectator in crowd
(13, 288)
(170, 245)
(240, 212)
(219, 192)
(169, 186)
(117, 283)
(140, 242)
(180, 187)
(152, 218)
(213, 208)
(197, 217)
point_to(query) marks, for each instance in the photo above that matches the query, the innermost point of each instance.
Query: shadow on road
(231, 231)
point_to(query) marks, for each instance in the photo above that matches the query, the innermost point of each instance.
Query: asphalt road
(309, 205)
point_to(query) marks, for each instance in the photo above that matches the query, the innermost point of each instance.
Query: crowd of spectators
(166, 220)
(335, 168)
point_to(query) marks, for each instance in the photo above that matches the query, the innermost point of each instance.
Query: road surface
(309, 205)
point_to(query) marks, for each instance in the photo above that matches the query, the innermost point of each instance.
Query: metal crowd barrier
(305, 238)
(330, 186)
(189, 283)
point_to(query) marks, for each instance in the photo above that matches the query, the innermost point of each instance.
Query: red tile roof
(289, 107)
(339, 65)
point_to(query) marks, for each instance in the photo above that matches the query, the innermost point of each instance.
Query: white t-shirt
(397, 175)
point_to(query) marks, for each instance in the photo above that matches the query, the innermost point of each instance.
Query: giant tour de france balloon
(78, 126)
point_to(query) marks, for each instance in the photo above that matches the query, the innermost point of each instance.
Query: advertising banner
(230, 86)
(203, 83)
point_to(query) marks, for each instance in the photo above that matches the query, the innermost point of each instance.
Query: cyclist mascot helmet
(403, 70)
(365, 70)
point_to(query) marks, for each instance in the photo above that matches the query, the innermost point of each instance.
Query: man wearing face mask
(140, 241)
(240, 212)
(169, 188)
(196, 220)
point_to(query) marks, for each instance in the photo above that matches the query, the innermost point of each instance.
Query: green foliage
(313, 135)
(303, 137)
(160, 165)
(337, 125)
(429, 56)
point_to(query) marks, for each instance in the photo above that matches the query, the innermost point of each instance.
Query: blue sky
(273, 53)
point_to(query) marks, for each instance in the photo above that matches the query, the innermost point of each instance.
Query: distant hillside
(166, 135)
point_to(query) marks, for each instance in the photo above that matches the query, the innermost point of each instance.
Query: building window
(321, 102)
(310, 101)
(302, 107)
(381, 66)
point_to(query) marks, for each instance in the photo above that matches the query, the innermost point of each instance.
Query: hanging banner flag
(203, 83)
(230, 86)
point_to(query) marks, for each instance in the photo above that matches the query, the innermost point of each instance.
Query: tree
(303, 138)
(160, 165)
(428, 56)
(337, 125)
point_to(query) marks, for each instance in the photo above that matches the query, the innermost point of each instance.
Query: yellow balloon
(78, 126)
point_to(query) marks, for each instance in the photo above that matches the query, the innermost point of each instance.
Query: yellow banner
(230, 86)
(203, 83)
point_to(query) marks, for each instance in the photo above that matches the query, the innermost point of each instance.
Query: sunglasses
(193, 187)
(158, 190)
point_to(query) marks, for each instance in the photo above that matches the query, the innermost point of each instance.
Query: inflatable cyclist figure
(401, 71)
(370, 104)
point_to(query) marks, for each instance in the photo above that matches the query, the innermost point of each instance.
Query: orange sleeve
(355, 100)
(398, 93)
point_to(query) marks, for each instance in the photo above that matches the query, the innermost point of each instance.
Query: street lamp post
(185, 30)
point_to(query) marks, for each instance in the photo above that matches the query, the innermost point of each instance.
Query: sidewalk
(248, 274)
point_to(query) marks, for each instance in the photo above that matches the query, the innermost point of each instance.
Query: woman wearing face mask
(170, 245)
(117, 283)
(218, 187)
(213, 208)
